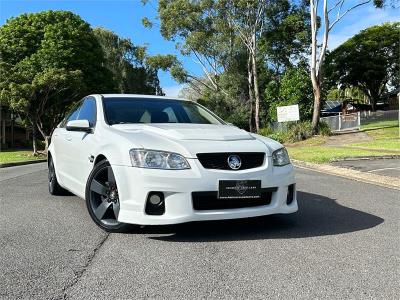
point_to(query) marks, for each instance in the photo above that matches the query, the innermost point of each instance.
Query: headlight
(280, 157)
(153, 159)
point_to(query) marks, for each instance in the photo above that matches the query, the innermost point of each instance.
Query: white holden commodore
(151, 160)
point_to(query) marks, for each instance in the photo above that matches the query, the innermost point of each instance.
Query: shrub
(300, 131)
(279, 136)
(324, 129)
(295, 132)
(266, 131)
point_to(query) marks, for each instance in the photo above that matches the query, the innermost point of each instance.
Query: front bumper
(134, 185)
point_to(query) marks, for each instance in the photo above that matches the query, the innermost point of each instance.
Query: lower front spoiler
(177, 213)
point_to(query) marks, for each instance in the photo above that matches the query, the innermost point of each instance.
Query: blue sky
(124, 17)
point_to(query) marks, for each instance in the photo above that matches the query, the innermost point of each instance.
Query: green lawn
(381, 124)
(392, 145)
(325, 154)
(384, 139)
(384, 133)
(17, 156)
(385, 142)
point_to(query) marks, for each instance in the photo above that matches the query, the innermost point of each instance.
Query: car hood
(190, 139)
(181, 131)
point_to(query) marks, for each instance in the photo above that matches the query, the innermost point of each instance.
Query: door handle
(69, 138)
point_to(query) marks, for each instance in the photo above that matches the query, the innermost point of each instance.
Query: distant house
(331, 108)
(392, 99)
(335, 107)
(13, 134)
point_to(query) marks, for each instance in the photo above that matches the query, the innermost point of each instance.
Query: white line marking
(383, 169)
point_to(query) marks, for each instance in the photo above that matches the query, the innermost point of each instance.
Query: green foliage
(201, 29)
(49, 59)
(294, 88)
(368, 60)
(352, 93)
(147, 23)
(295, 132)
(280, 136)
(287, 34)
(300, 131)
(227, 108)
(128, 64)
(163, 62)
(324, 129)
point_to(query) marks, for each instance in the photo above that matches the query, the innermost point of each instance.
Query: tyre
(54, 187)
(102, 198)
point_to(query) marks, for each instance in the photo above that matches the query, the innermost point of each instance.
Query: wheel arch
(49, 156)
(100, 157)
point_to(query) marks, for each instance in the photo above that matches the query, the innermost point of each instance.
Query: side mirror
(79, 125)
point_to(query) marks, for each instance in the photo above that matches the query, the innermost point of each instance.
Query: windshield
(141, 110)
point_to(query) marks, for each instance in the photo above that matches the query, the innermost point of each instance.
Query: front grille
(220, 160)
(210, 201)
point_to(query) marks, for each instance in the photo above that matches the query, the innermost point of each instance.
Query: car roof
(141, 96)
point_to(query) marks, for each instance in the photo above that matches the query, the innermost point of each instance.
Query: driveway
(387, 167)
(343, 243)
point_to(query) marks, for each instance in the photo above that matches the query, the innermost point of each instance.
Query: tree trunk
(34, 138)
(256, 89)
(257, 97)
(317, 108)
(250, 84)
(46, 143)
(372, 100)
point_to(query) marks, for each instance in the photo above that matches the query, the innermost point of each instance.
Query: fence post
(359, 120)
(340, 122)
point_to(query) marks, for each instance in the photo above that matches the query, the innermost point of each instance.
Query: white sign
(288, 113)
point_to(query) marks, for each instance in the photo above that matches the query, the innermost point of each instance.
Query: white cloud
(173, 91)
(359, 20)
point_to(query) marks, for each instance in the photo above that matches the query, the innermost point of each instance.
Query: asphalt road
(342, 244)
(387, 167)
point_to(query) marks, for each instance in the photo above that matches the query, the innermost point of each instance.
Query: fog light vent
(290, 194)
(155, 204)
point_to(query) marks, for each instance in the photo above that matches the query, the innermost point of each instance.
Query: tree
(128, 64)
(368, 61)
(295, 88)
(49, 60)
(231, 39)
(331, 14)
(247, 18)
(286, 38)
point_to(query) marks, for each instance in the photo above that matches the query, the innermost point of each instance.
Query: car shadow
(317, 216)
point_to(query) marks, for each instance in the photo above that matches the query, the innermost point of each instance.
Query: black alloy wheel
(54, 187)
(102, 198)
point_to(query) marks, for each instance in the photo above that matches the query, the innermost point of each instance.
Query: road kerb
(385, 181)
(22, 163)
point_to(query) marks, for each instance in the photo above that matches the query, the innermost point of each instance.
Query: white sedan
(151, 160)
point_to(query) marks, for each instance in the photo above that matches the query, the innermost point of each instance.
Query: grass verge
(386, 139)
(381, 124)
(18, 156)
(385, 142)
(326, 154)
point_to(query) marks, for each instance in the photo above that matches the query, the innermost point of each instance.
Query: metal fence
(354, 121)
(279, 127)
(387, 117)
(343, 122)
